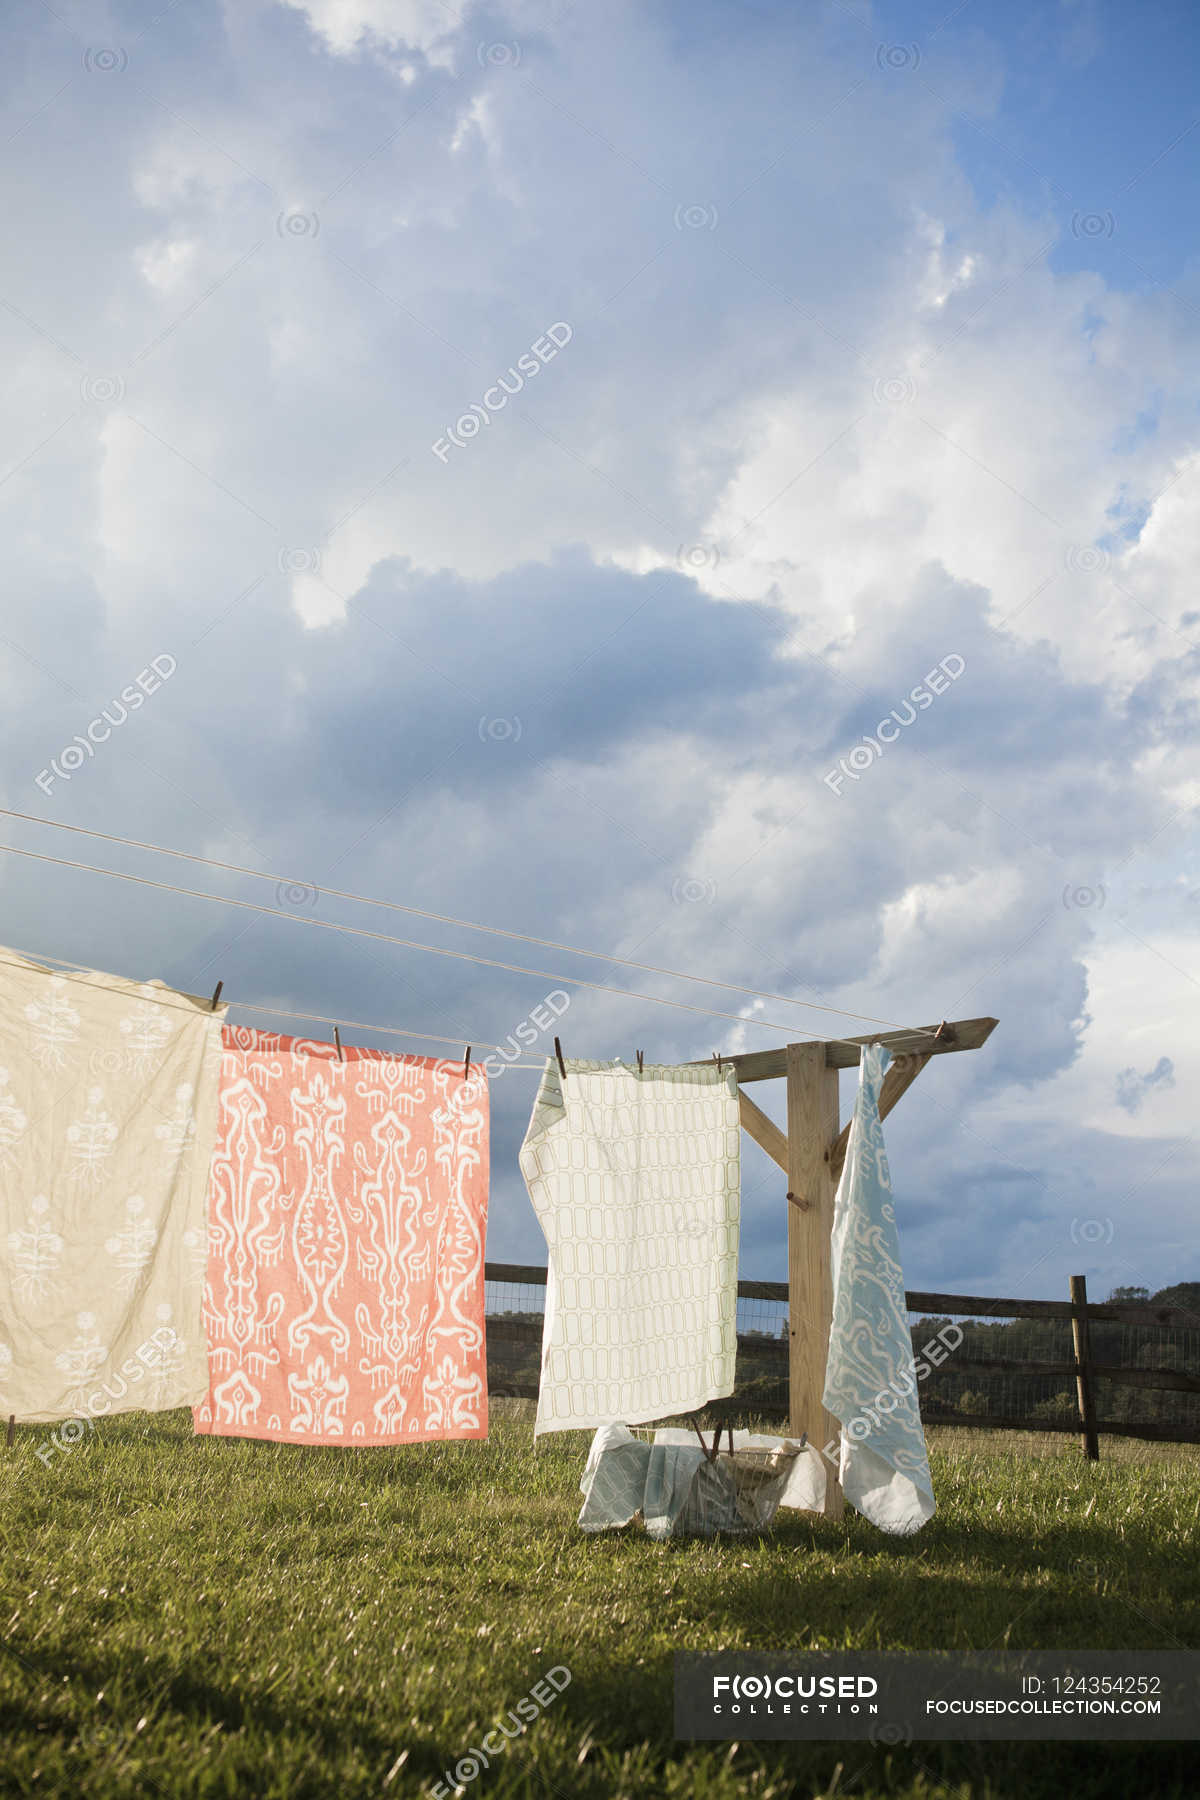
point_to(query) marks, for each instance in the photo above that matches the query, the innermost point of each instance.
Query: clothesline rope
(428, 1037)
(447, 919)
(383, 937)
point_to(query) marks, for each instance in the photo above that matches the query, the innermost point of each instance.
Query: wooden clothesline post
(811, 1153)
(812, 1119)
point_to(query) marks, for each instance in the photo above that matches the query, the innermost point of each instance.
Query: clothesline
(189, 1221)
(446, 919)
(384, 937)
(280, 1012)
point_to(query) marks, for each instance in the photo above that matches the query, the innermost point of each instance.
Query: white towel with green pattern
(635, 1176)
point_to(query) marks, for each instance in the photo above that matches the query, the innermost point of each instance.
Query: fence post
(1083, 1378)
(11, 1433)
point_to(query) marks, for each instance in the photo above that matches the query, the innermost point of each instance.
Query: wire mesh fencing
(977, 1362)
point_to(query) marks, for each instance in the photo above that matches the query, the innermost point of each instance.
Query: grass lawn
(195, 1616)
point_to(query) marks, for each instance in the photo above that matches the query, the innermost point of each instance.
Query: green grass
(204, 1617)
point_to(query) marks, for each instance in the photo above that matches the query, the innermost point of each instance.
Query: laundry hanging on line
(374, 1330)
(108, 1096)
(635, 1177)
(345, 1299)
(870, 1377)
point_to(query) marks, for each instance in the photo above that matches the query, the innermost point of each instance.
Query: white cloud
(808, 369)
(346, 25)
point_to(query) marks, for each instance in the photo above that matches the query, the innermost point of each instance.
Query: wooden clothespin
(217, 994)
(717, 1060)
(467, 1063)
(641, 1062)
(562, 1067)
(337, 1038)
(937, 1034)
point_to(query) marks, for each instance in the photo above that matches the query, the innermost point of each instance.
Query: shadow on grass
(601, 1705)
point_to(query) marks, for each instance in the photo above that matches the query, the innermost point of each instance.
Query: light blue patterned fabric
(870, 1378)
(672, 1484)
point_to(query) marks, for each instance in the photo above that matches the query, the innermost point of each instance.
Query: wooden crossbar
(842, 1053)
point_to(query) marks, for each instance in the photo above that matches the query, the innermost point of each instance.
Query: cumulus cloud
(825, 419)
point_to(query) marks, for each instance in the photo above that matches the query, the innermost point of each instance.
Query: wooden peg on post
(812, 1122)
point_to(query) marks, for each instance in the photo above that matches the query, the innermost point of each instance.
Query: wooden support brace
(764, 1131)
(901, 1074)
(812, 1116)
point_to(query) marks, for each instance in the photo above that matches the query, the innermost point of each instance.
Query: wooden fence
(1080, 1367)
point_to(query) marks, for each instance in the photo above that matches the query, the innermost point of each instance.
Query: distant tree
(1183, 1293)
(1129, 1293)
(1056, 1407)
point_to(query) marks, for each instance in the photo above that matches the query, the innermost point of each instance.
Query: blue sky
(875, 346)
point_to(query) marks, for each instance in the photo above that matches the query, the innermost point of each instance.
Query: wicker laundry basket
(759, 1478)
(738, 1490)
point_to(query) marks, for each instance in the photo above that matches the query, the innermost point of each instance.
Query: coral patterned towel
(347, 1218)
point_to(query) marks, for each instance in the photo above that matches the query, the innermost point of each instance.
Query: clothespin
(217, 994)
(937, 1034)
(562, 1067)
(641, 1062)
(467, 1063)
(717, 1060)
(337, 1038)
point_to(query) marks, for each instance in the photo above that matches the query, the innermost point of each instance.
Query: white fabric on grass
(805, 1486)
(675, 1487)
(635, 1179)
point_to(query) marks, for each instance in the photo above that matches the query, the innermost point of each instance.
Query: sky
(860, 364)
